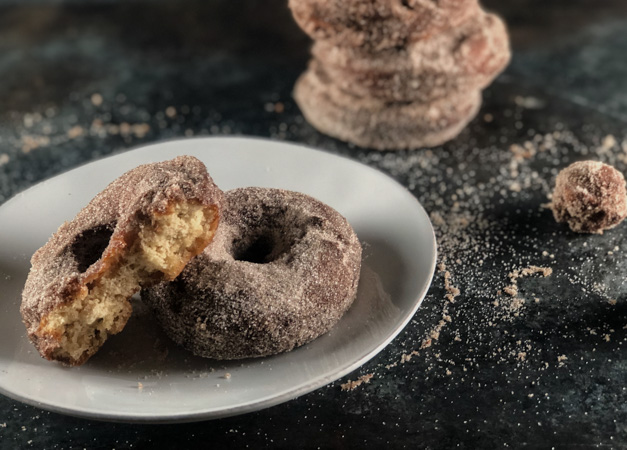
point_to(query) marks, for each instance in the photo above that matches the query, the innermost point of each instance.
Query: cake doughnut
(143, 228)
(281, 271)
(590, 197)
(468, 57)
(381, 24)
(374, 123)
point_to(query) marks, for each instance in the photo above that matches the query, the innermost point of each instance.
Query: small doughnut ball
(282, 270)
(143, 228)
(590, 197)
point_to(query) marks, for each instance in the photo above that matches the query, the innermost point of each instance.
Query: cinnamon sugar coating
(590, 197)
(94, 263)
(380, 24)
(281, 271)
(467, 58)
(392, 74)
(378, 124)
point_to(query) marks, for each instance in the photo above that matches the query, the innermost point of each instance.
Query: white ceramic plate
(139, 375)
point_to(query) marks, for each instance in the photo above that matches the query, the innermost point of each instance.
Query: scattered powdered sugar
(493, 301)
(351, 385)
(515, 304)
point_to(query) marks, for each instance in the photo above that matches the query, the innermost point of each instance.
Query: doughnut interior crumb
(162, 246)
(165, 246)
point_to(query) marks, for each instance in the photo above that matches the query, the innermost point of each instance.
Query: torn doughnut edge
(160, 250)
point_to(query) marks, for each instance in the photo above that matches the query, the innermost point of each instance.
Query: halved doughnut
(142, 229)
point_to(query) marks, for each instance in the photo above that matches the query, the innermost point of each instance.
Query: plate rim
(271, 400)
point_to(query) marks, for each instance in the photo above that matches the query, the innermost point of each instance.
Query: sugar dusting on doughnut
(590, 197)
(397, 74)
(141, 229)
(378, 25)
(281, 271)
(466, 58)
(374, 123)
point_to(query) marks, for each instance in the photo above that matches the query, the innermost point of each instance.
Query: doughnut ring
(282, 270)
(374, 123)
(466, 58)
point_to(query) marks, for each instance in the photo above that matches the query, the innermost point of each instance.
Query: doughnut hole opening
(161, 250)
(90, 245)
(262, 248)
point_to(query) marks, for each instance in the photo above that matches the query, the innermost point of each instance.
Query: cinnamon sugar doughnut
(281, 271)
(376, 25)
(590, 197)
(467, 57)
(143, 228)
(374, 123)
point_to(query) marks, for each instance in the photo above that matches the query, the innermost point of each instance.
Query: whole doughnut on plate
(282, 270)
(143, 228)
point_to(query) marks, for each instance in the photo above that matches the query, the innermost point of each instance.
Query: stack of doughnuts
(393, 74)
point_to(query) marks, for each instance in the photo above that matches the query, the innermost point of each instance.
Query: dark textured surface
(547, 374)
